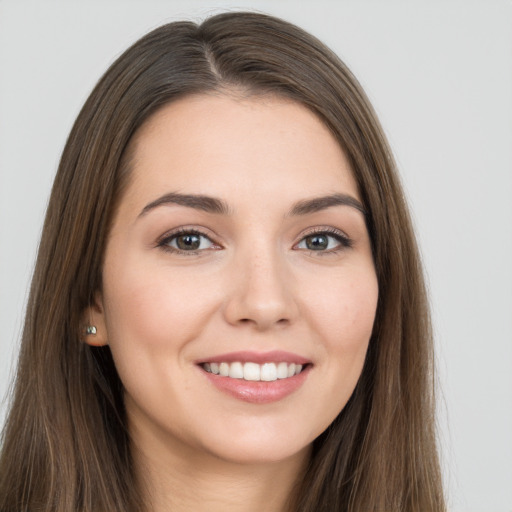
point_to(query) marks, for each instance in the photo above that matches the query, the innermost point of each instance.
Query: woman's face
(238, 253)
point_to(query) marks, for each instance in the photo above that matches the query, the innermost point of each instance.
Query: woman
(227, 311)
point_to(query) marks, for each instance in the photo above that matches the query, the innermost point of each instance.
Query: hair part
(65, 444)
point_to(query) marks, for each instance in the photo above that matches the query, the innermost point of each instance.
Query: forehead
(223, 145)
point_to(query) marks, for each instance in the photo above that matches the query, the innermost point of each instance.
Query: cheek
(343, 309)
(152, 309)
(342, 319)
(340, 314)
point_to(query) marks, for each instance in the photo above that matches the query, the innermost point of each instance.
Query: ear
(94, 327)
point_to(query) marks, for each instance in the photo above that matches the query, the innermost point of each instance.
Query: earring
(90, 330)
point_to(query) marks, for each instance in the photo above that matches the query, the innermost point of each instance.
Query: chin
(259, 447)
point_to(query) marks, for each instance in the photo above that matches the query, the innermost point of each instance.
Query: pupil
(188, 242)
(317, 242)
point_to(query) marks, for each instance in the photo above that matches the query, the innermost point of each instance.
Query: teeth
(267, 372)
(252, 371)
(236, 371)
(224, 369)
(282, 371)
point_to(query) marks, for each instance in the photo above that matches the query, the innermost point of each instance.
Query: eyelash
(344, 241)
(164, 242)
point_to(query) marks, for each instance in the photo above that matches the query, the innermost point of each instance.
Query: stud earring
(90, 330)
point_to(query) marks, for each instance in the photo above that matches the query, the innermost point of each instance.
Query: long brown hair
(65, 443)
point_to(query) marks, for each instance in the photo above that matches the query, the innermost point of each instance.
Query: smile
(254, 372)
(256, 377)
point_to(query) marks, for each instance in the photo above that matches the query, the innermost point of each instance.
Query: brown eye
(317, 242)
(324, 242)
(189, 241)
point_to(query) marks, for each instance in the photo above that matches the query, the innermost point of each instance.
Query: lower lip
(258, 392)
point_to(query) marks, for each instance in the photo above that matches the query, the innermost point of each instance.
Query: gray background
(440, 76)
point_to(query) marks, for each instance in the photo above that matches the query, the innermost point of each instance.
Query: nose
(261, 292)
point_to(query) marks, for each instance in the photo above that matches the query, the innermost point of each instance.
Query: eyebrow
(218, 206)
(318, 204)
(199, 202)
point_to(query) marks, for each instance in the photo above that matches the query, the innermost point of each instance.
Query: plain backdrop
(440, 76)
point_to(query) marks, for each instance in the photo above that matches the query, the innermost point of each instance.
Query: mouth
(254, 372)
(256, 377)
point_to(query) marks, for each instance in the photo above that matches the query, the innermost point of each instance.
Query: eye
(190, 241)
(324, 241)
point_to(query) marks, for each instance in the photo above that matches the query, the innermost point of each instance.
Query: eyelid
(345, 242)
(162, 241)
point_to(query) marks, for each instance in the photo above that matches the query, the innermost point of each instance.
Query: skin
(253, 285)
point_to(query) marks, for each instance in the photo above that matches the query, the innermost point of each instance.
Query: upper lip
(274, 356)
